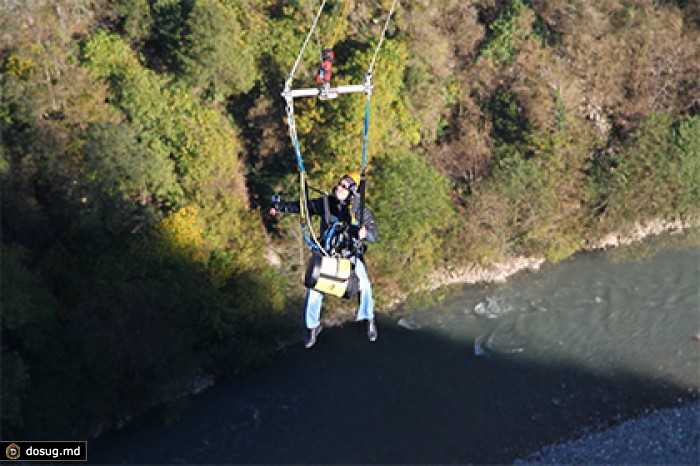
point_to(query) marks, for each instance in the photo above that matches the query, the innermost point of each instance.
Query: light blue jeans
(314, 299)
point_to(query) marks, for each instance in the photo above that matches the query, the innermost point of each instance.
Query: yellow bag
(331, 275)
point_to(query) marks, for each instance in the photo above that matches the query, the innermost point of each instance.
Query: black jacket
(345, 214)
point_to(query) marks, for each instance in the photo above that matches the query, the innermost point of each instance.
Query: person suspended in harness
(342, 237)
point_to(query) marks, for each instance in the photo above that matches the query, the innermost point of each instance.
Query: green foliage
(27, 315)
(688, 170)
(499, 45)
(120, 185)
(114, 159)
(202, 145)
(213, 55)
(413, 208)
(168, 31)
(532, 204)
(509, 123)
(143, 97)
(442, 35)
(656, 173)
(174, 127)
(136, 18)
(90, 186)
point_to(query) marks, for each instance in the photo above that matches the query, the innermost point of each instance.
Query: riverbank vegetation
(141, 138)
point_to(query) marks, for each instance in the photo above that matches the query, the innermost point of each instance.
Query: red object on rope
(324, 69)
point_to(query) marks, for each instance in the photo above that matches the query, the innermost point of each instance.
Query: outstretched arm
(315, 207)
(284, 207)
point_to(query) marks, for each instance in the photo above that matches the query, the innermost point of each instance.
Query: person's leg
(312, 308)
(312, 316)
(365, 311)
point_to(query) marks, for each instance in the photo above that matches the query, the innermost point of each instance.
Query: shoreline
(499, 272)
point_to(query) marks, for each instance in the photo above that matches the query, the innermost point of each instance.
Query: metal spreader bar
(326, 92)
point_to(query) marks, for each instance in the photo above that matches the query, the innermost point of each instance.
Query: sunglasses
(345, 186)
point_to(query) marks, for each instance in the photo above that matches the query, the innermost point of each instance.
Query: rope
(303, 47)
(293, 134)
(340, 21)
(312, 241)
(381, 38)
(318, 40)
(304, 200)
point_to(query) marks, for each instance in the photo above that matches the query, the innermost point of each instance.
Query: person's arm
(284, 207)
(315, 207)
(370, 225)
(368, 231)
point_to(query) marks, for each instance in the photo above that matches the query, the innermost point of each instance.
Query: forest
(141, 141)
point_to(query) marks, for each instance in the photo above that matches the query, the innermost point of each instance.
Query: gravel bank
(667, 436)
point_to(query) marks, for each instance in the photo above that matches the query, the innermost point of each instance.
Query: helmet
(353, 177)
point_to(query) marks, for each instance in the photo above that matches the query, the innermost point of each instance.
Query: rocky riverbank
(500, 271)
(666, 436)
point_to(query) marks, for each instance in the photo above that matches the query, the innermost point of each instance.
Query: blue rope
(329, 236)
(297, 149)
(310, 243)
(293, 135)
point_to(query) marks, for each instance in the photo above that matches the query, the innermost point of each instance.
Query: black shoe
(311, 334)
(372, 332)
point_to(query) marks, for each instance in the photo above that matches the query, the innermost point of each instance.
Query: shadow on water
(411, 397)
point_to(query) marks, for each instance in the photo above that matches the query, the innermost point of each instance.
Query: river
(488, 375)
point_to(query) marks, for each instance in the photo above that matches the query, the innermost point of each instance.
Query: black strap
(326, 210)
(363, 187)
(359, 248)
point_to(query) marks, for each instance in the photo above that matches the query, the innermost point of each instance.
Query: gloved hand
(358, 232)
(276, 206)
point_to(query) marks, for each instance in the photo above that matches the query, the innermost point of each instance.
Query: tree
(413, 209)
(214, 56)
